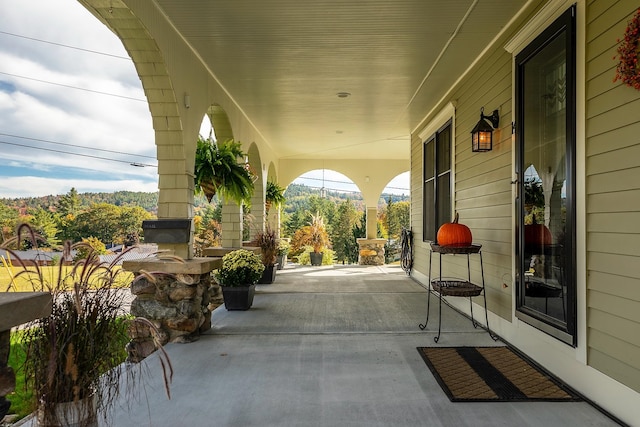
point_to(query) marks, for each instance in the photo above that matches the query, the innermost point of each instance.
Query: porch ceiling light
(482, 133)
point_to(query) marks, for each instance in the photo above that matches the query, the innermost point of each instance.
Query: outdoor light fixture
(482, 134)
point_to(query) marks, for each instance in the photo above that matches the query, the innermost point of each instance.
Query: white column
(372, 222)
(231, 225)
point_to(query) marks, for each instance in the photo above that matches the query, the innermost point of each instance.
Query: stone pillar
(371, 251)
(16, 308)
(372, 222)
(176, 300)
(231, 225)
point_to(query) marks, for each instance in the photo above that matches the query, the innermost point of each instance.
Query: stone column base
(175, 298)
(371, 251)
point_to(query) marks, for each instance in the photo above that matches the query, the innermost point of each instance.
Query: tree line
(116, 218)
(345, 218)
(75, 217)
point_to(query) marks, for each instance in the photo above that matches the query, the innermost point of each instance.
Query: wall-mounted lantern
(482, 133)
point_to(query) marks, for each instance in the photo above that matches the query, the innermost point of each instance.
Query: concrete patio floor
(329, 346)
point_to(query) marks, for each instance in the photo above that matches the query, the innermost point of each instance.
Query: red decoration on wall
(627, 70)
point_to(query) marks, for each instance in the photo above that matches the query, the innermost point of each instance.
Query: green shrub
(240, 268)
(327, 256)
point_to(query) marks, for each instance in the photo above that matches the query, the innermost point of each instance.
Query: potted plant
(217, 171)
(268, 243)
(274, 196)
(283, 251)
(240, 271)
(314, 235)
(75, 361)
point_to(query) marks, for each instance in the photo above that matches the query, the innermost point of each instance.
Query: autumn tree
(208, 230)
(130, 225)
(101, 221)
(8, 221)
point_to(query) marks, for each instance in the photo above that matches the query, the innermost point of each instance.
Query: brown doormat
(488, 374)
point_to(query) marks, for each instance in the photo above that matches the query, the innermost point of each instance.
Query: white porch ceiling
(285, 61)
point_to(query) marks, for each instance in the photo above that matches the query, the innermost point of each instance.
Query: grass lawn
(50, 274)
(21, 399)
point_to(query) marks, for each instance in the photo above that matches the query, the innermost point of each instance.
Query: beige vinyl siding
(483, 180)
(483, 194)
(612, 201)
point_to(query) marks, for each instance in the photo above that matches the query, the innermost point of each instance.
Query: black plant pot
(238, 297)
(269, 275)
(316, 258)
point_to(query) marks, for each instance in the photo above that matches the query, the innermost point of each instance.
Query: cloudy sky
(72, 109)
(48, 111)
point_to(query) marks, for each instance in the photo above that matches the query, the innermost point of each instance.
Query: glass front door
(546, 166)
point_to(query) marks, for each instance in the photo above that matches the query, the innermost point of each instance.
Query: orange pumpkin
(537, 235)
(454, 234)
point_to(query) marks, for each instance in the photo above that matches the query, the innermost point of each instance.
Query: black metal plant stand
(456, 288)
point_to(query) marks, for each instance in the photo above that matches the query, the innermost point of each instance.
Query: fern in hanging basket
(217, 171)
(628, 70)
(274, 196)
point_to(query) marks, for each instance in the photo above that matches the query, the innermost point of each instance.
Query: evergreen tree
(44, 224)
(211, 212)
(69, 204)
(342, 236)
(295, 221)
(359, 231)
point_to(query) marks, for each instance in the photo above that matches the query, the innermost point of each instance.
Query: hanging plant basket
(217, 171)
(628, 70)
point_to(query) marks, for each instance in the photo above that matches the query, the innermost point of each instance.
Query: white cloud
(38, 110)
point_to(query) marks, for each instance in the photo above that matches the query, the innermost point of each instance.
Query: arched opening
(215, 126)
(334, 198)
(394, 214)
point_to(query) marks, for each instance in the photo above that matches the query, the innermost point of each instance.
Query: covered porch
(368, 86)
(325, 347)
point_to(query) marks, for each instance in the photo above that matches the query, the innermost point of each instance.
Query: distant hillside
(296, 193)
(149, 201)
